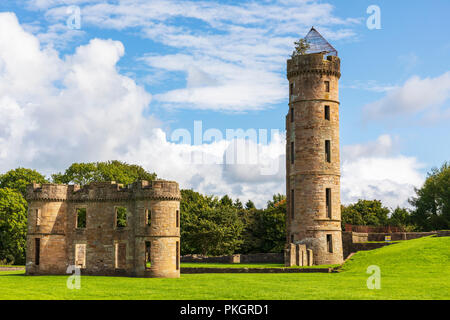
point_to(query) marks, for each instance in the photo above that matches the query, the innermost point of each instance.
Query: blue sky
(158, 66)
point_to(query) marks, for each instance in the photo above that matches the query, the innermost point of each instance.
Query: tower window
(38, 217)
(178, 255)
(81, 218)
(80, 255)
(121, 217)
(291, 89)
(327, 86)
(148, 251)
(292, 114)
(120, 255)
(292, 238)
(292, 153)
(178, 219)
(37, 251)
(148, 217)
(327, 151)
(292, 204)
(327, 112)
(328, 202)
(329, 243)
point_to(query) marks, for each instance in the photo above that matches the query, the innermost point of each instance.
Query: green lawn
(414, 269)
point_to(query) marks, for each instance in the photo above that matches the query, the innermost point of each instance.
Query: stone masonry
(73, 225)
(312, 157)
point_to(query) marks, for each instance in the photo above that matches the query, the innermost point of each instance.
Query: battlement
(156, 189)
(104, 191)
(319, 63)
(47, 191)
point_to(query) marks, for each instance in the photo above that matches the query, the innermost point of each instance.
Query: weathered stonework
(313, 119)
(101, 247)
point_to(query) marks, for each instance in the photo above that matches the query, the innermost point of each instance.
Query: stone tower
(312, 152)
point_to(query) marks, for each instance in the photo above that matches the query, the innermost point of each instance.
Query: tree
(209, 226)
(301, 46)
(13, 212)
(432, 201)
(250, 205)
(238, 204)
(120, 172)
(19, 178)
(13, 226)
(401, 218)
(365, 212)
(350, 215)
(265, 230)
(276, 198)
(226, 201)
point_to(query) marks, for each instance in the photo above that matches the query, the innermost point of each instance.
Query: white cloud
(204, 167)
(370, 85)
(427, 99)
(215, 84)
(373, 171)
(382, 147)
(55, 111)
(58, 35)
(244, 45)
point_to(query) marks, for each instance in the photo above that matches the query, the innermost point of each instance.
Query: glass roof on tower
(317, 43)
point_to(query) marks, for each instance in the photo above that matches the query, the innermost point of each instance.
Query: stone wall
(236, 258)
(355, 241)
(443, 233)
(102, 247)
(298, 255)
(396, 236)
(262, 258)
(358, 241)
(185, 270)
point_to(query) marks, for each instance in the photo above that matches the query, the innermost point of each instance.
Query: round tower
(165, 229)
(46, 240)
(312, 151)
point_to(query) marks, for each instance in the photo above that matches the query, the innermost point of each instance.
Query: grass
(414, 269)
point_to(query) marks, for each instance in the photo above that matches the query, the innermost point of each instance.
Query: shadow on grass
(12, 274)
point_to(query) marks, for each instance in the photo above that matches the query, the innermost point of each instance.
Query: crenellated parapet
(47, 192)
(316, 63)
(104, 191)
(156, 189)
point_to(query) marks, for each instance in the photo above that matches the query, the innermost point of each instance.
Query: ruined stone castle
(312, 156)
(104, 228)
(108, 229)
